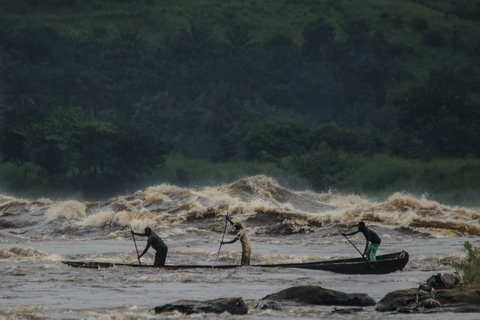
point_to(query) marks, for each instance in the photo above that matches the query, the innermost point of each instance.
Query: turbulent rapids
(266, 207)
(284, 227)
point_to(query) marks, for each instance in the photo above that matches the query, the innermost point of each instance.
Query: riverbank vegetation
(101, 98)
(469, 266)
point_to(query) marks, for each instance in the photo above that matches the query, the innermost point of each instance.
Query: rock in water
(320, 296)
(232, 305)
(455, 298)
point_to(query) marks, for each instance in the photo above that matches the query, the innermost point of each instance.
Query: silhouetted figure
(373, 241)
(157, 243)
(241, 234)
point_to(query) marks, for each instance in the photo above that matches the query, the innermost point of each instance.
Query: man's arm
(228, 242)
(145, 251)
(350, 234)
(139, 234)
(229, 220)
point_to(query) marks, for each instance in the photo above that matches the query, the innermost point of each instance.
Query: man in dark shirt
(373, 241)
(157, 243)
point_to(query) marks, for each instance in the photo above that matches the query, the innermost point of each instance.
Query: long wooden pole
(223, 237)
(135, 242)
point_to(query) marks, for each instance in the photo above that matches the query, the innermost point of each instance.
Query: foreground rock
(231, 305)
(320, 296)
(457, 299)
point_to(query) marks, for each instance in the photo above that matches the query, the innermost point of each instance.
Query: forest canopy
(95, 96)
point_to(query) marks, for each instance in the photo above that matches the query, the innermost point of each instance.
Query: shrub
(470, 265)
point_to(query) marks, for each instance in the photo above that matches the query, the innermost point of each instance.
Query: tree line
(98, 111)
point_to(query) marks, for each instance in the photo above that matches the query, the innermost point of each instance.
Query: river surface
(283, 226)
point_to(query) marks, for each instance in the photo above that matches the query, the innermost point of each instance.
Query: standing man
(157, 243)
(241, 234)
(373, 241)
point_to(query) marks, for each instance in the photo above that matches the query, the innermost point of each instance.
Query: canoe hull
(384, 264)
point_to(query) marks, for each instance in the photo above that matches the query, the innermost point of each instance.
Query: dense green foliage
(470, 265)
(97, 94)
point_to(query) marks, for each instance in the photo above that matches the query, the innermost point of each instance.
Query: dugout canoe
(384, 264)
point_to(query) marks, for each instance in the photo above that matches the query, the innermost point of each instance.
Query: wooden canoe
(384, 264)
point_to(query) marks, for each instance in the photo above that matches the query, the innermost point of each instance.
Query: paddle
(357, 250)
(221, 242)
(135, 242)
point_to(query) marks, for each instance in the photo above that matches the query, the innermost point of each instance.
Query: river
(283, 226)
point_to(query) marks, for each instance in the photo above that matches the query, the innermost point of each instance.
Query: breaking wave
(261, 202)
(21, 254)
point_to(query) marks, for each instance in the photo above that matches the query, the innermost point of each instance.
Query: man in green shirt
(373, 241)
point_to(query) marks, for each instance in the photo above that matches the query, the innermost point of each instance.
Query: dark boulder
(320, 296)
(231, 305)
(461, 297)
(442, 281)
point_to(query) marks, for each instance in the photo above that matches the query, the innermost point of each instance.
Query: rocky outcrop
(320, 296)
(231, 305)
(440, 292)
(442, 281)
(456, 299)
